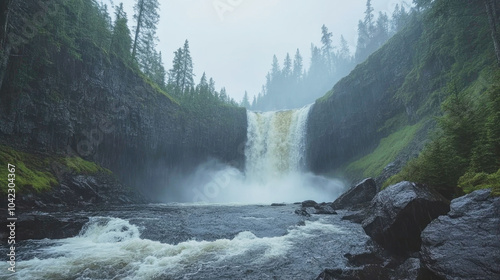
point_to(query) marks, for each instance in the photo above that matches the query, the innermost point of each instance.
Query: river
(187, 241)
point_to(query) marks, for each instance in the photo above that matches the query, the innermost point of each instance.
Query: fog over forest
(235, 41)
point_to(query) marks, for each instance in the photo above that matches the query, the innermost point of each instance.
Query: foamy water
(111, 248)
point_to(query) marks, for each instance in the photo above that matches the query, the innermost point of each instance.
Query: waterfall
(275, 143)
(275, 166)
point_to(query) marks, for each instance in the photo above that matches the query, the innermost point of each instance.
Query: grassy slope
(386, 152)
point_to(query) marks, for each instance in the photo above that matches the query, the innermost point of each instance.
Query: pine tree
(459, 121)
(187, 77)
(297, 66)
(399, 18)
(381, 30)
(327, 48)
(369, 18)
(121, 42)
(344, 58)
(103, 8)
(211, 87)
(202, 87)
(223, 95)
(344, 52)
(175, 75)
(245, 102)
(181, 77)
(275, 68)
(146, 58)
(363, 42)
(146, 17)
(158, 72)
(287, 66)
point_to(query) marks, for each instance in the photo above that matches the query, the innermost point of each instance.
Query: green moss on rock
(31, 170)
(35, 171)
(80, 165)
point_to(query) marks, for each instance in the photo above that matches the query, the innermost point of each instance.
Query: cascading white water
(275, 166)
(275, 143)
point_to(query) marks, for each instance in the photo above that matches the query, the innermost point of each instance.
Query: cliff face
(105, 112)
(378, 117)
(346, 122)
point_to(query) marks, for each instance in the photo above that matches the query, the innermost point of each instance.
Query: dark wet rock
(278, 204)
(372, 272)
(75, 190)
(357, 197)
(400, 212)
(324, 209)
(377, 264)
(330, 274)
(356, 217)
(108, 114)
(302, 212)
(409, 270)
(465, 244)
(309, 203)
(364, 258)
(40, 226)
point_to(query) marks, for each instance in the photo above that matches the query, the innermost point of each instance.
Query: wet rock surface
(357, 197)
(108, 114)
(309, 203)
(278, 204)
(76, 190)
(356, 216)
(394, 221)
(400, 212)
(465, 244)
(324, 209)
(310, 207)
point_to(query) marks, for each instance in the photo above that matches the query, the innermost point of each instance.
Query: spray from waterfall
(275, 166)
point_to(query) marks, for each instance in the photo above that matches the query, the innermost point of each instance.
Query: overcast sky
(233, 41)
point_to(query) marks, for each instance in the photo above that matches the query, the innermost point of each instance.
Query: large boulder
(399, 213)
(358, 196)
(309, 203)
(465, 244)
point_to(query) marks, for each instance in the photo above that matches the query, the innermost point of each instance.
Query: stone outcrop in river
(465, 244)
(400, 212)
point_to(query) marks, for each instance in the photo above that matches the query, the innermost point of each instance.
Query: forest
(464, 151)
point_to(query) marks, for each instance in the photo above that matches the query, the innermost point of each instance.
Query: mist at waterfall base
(275, 168)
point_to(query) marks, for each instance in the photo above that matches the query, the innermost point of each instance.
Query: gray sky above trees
(233, 41)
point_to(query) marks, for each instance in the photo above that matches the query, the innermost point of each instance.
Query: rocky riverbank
(419, 237)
